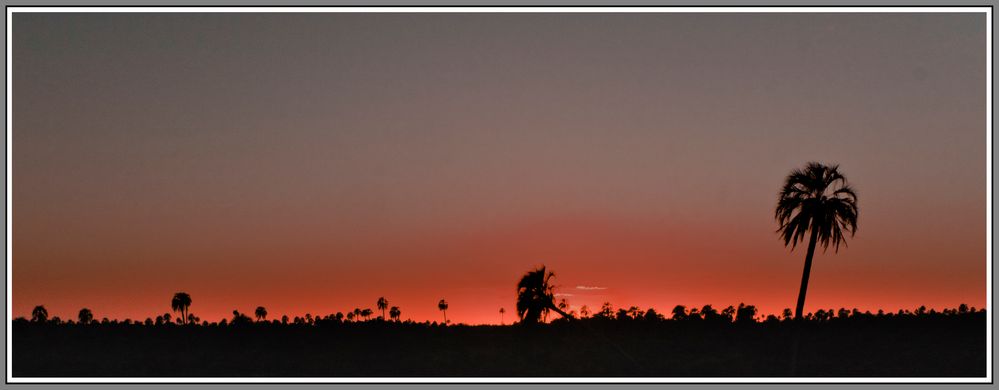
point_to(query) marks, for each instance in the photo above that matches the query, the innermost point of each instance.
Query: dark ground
(903, 347)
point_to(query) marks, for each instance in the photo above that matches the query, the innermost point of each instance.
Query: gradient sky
(311, 163)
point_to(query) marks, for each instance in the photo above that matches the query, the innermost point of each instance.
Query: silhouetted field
(924, 346)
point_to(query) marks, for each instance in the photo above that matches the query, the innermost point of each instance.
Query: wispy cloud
(564, 295)
(590, 288)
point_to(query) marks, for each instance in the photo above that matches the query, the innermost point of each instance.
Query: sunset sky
(311, 163)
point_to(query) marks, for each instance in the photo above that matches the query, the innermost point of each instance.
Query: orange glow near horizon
(631, 265)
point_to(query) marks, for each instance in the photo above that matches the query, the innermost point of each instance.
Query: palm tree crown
(817, 202)
(536, 296)
(260, 313)
(382, 305)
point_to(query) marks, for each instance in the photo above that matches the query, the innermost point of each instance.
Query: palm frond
(806, 204)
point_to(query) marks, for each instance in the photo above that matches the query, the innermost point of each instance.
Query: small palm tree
(382, 305)
(85, 316)
(181, 302)
(39, 314)
(536, 296)
(261, 313)
(818, 202)
(366, 313)
(502, 311)
(395, 313)
(442, 306)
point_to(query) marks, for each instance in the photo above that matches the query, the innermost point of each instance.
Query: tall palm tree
(502, 311)
(382, 305)
(442, 306)
(39, 314)
(536, 296)
(261, 313)
(817, 202)
(181, 301)
(85, 316)
(395, 313)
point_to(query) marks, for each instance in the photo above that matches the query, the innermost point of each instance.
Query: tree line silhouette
(532, 306)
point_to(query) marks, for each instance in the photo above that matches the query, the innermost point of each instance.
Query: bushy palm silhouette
(382, 305)
(180, 303)
(260, 313)
(39, 314)
(85, 316)
(818, 202)
(536, 296)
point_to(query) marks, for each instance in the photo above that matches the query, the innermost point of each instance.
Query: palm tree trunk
(804, 276)
(445, 317)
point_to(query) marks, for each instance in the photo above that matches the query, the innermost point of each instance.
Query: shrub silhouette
(606, 310)
(85, 316)
(816, 201)
(679, 312)
(39, 314)
(745, 314)
(239, 319)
